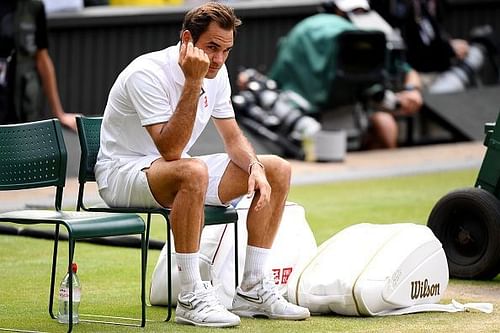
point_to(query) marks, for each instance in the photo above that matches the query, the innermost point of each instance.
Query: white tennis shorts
(129, 188)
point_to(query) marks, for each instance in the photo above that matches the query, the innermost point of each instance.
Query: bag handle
(454, 306)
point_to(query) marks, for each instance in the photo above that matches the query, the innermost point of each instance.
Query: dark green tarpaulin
(306, 57)
(306, 60)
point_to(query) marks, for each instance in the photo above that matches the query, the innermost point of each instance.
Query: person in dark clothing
(26, 66)
(313, 43)
(447, 64)
(429, 48)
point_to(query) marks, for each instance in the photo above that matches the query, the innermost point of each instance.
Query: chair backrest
(89, 133)
(33, 155)
(361, 63)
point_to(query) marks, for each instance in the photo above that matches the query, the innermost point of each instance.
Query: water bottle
(63, 315)
(306, 128)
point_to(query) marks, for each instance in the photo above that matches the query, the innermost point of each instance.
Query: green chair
(33, 155)
(89, 129)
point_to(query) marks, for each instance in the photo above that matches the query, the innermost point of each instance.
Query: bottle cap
(74, 267)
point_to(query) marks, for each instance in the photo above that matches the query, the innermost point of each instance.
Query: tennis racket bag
(370, 270)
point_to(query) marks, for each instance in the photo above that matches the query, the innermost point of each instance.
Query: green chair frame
(89, 129)
(33, 155)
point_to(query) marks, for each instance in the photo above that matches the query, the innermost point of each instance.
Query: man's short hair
(199, 18)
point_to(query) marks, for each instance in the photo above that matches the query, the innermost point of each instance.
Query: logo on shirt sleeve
(205, 97)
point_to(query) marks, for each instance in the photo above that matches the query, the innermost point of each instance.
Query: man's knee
(278, 171)
(383, 120)
(385, 129)
(194, 175)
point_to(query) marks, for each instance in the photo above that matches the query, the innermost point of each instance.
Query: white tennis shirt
(147, 92)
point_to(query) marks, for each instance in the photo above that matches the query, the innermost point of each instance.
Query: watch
(410, 87)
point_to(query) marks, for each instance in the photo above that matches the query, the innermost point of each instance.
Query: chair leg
(143, 259)
(53, 272)
(236, 258)
(169, 271)
(148, 229)
(144, 255)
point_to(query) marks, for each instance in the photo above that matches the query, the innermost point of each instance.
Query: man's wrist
(252, 164)
(195, 84)
(412, 87)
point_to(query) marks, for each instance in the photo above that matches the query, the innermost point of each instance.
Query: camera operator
(445, 64)
(295, 69)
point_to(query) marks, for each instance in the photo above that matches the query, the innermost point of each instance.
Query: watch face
(410, 87)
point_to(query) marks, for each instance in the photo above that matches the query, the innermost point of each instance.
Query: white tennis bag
(294, 244)
(374, 270)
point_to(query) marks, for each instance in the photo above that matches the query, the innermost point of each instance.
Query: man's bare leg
(263, 224)
(384, 131)
(256, 296)
(182, 186)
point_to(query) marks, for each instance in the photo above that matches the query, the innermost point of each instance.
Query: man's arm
(411, 98)
(412, 79)
(171, 137)
(238, 148)
(242, 154)
(45, 68)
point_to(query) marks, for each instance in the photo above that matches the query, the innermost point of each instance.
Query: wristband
(252, 164)
(411, 87)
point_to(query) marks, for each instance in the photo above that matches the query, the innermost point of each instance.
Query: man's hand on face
(193, 61)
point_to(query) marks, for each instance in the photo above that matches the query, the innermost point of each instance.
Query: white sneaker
(264, 300)
(201, 307)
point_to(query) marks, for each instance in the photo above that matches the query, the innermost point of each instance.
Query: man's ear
(186, 37)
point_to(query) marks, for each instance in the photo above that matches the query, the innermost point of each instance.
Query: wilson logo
(422, 289)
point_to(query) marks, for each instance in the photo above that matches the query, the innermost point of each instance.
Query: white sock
(255, 264)
(189, 270)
